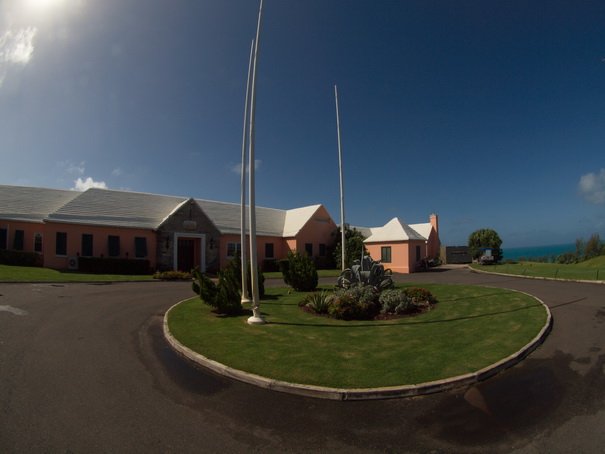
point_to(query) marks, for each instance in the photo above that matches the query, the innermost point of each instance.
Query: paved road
(84, 369)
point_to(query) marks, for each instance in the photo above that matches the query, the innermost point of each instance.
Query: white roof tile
(423, 229)
(110, 208)
(227, 218)
(297, 218)
(18, 203)
(394, 230)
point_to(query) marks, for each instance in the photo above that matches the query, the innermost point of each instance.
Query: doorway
(186, 254)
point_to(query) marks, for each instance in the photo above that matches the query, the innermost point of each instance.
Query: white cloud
(592, 187)
(16, 48)
(70, 167)
(83, 185)
(238, 167)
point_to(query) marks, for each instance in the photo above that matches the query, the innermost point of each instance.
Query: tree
(354, 244)
(485, 238)
(593, 247)
(299, 271)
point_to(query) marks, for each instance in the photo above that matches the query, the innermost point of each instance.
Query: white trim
(175, 255)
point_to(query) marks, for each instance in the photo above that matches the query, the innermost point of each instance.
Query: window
(140, 247)
(18, 241)
(234, 249)
(113, 246)
(417, 253)
(38, 242)
(322, 250)
(3, 238)
(61, 244)
(269, 251)
(86, 245)
(309, 249)
(385, 254)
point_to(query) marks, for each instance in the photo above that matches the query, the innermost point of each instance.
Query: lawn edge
(543, 278)
(342, 394)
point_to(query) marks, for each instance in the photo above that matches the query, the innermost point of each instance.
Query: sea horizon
(537, 251)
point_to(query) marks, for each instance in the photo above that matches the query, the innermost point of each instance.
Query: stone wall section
(188, 219)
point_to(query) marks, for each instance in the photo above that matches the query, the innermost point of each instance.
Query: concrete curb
(365, 393)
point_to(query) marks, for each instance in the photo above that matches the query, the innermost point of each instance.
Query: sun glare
(43, 4)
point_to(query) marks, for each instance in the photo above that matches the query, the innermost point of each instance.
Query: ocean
(537, 251)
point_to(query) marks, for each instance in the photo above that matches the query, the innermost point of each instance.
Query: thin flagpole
(244, 246)
(256, 318)
(342, 191)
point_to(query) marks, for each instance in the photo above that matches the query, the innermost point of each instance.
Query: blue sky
(490, 114)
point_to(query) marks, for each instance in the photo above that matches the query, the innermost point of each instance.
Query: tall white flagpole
(342, 193)
(244, 246)
(256, 318)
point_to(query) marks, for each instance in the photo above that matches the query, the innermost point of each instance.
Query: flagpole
(256, 318)
(244, 246)
(342, 196)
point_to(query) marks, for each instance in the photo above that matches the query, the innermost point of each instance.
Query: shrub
(418, 295)
(394, 302)
(228, 299)
(346, 308)
(172, 275)
(364, 294)
(319, 302)
(235, 265)
(224, 297)
(270, 265)
(19, 258)
(203, 286)
(299, 271)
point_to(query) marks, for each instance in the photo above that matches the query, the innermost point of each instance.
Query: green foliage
(203, 286)
(567, 258)
(19, 258)
(485, 238)
(394, 302)
(225, 297)
(319, 302)
(299, 271)
(353, 247)
(593, 247)
(235, 265)
(172, 275)
(418, 294)
(228, 299)
(347, 308)
(363, 294)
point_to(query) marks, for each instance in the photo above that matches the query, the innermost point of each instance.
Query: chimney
(435, 223)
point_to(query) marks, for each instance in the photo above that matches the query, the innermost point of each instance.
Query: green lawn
(39, 274)
(589, 270)
(471, 328)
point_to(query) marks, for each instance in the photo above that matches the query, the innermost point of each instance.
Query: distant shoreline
(537, 251)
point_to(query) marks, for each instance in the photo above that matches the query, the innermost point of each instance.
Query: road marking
(13, 310)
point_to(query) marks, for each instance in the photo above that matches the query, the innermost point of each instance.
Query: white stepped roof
(394, 230)
(109, 208)
(297, 218)
(227, 218)
(112, 208)
(424, 229)
(18, 203)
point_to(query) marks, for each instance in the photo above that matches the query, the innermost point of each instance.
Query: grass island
(470, 329)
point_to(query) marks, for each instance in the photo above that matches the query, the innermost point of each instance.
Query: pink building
(401, 247)
(170, 233)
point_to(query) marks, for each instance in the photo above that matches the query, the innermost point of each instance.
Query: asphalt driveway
(84, 368)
